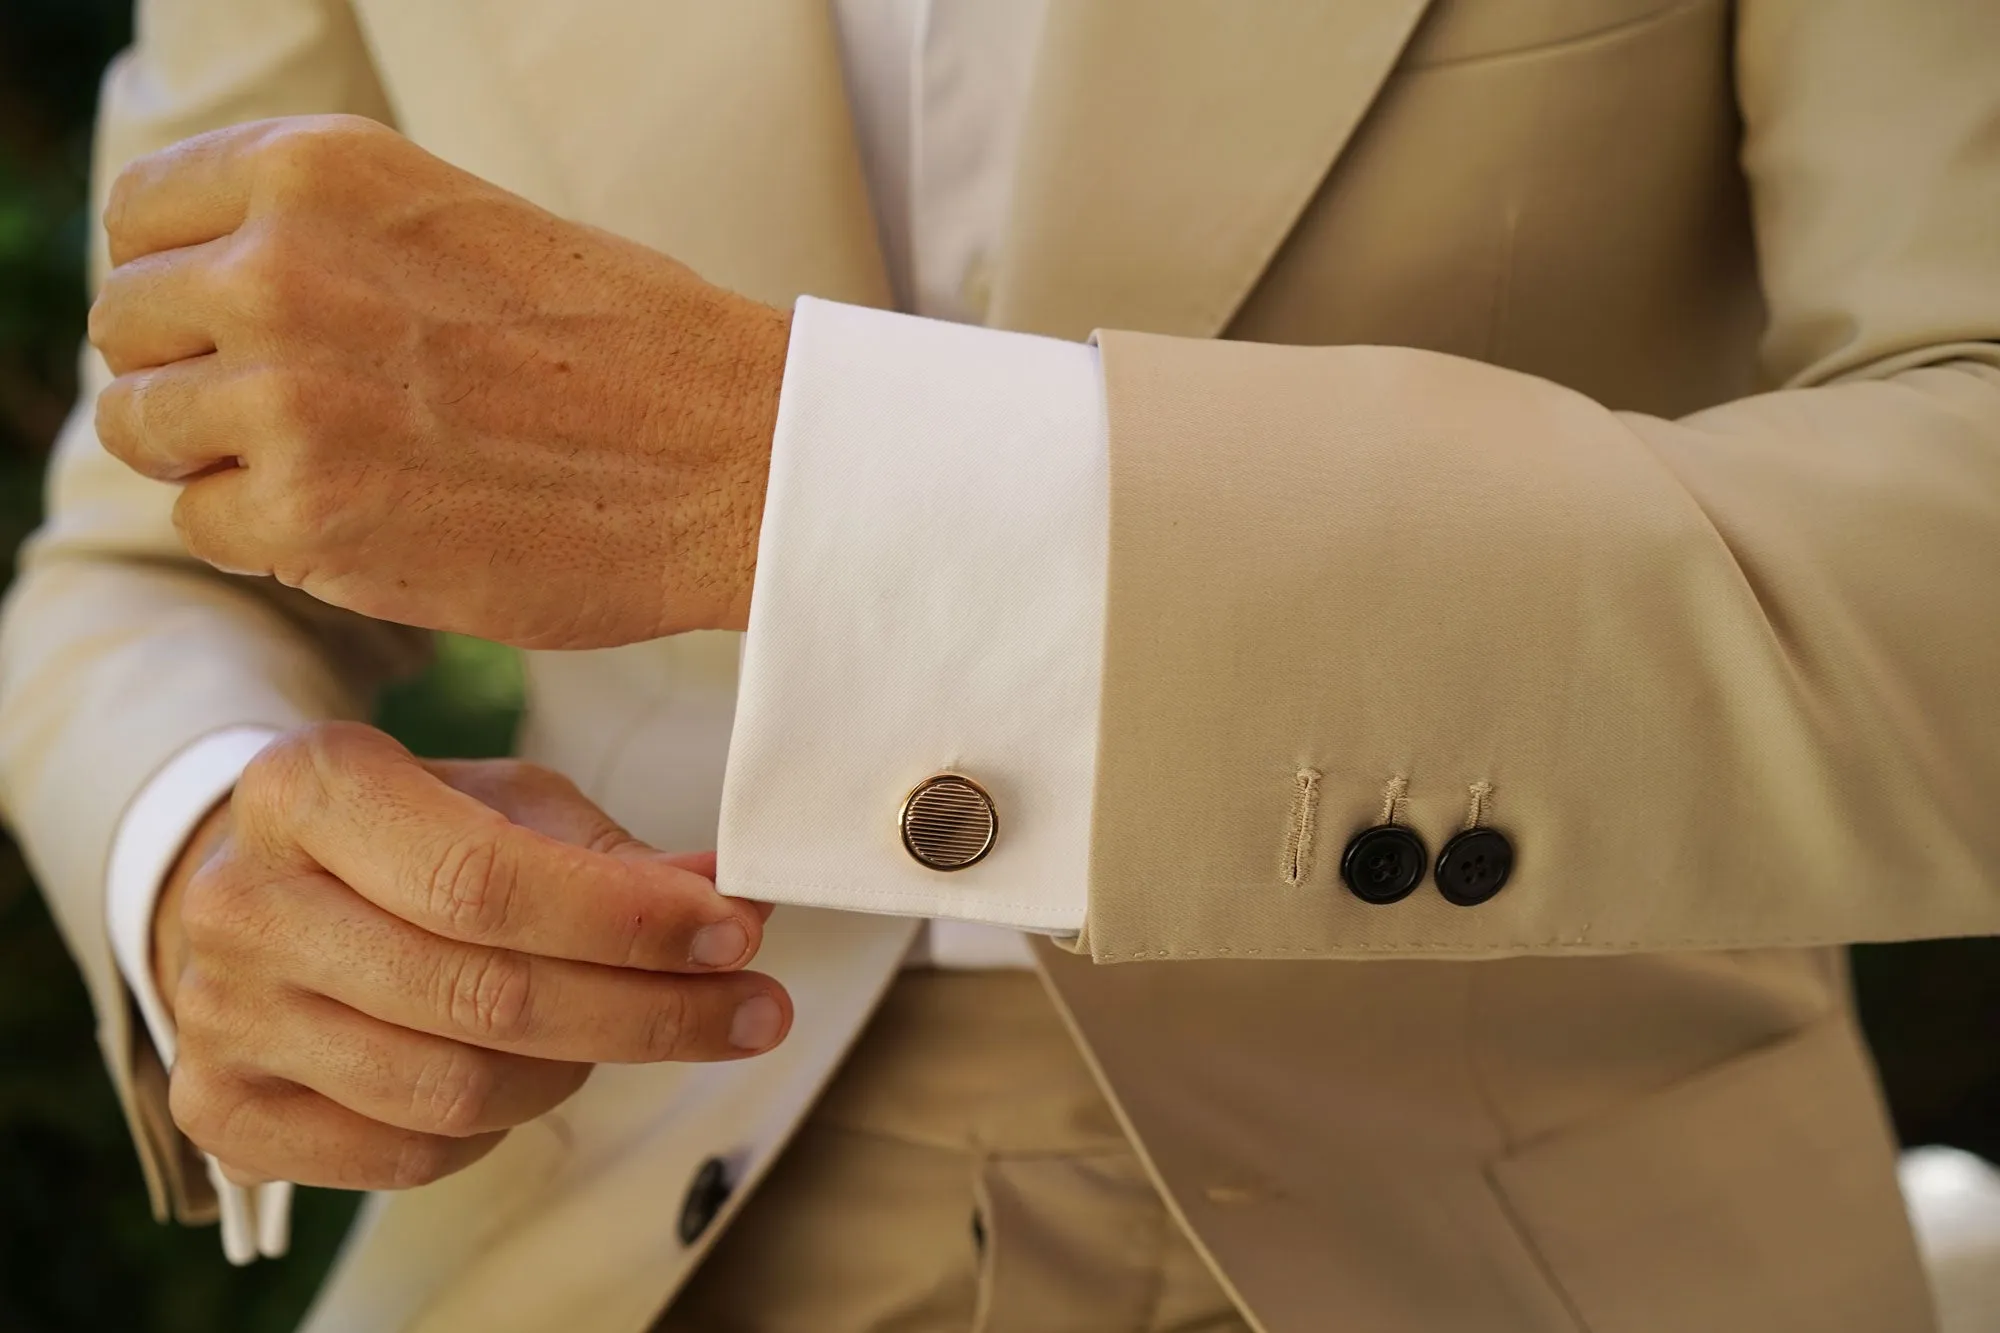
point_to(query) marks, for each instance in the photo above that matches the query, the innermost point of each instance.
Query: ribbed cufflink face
(948, 822)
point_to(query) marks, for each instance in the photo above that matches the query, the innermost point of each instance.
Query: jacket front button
(1474, 866)
(706, 1194)
(1383, 864)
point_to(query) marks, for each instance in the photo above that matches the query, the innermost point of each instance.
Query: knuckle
(128, 186)
(289, 518)
(209, 531)
(487, 995)
(337, 130)
(334, 754)
(269, 277)
(202, 1010)
(275, 772)
(332, 763)
(239, 1108)
(140, 404)
(668, 1031)
(495, 782)
(280, 400)
(218, 1024)
(601, 833)
(605, 837)
(470, 891)
(118, 200)
(455, 1092)
(298, 142)
(278, 784)
(118, 413)
(101, 323)
(516, 773)
(218, 913)
(293, 782)
(296, 155)
(191, 1099)
(213, 1111)
(194, 533)
(339, 747)
(304, 514)
(417, 1160)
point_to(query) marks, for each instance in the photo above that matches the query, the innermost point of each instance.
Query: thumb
(550, 804)
(545, 801)
(703, 864)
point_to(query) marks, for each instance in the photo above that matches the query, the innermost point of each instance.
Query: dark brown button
(1384, 864)
(1474, 866)
(948, 822)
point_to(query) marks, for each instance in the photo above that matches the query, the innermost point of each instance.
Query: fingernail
(756, 1023)
(719, 945)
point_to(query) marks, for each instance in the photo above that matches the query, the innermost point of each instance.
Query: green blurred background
(78, 1251)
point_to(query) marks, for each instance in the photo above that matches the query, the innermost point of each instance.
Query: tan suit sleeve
(1732, 680)
(116, 650)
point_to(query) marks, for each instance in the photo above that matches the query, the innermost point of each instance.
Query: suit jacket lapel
(1169, 148)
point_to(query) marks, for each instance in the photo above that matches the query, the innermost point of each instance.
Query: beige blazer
(1636, 462)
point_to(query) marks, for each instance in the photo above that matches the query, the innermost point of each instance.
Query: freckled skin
(378, 965)
(420, 397)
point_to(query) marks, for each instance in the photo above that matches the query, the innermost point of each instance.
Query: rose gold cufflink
(948, 822)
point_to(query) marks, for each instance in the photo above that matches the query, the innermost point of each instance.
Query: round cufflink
(948, 822)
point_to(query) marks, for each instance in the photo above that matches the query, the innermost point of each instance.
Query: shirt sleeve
(929, 599)
(150, 836)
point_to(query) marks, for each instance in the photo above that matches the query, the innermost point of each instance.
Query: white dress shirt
(930, 582)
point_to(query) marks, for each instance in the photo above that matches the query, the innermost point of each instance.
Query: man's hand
(420, 397)
(378, 965)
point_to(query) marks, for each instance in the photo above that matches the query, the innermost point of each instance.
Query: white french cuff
(150, 836)
(929, 599)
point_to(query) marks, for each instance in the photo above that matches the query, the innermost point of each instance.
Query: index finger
(184, 194)
(204, 187)
(444, 861)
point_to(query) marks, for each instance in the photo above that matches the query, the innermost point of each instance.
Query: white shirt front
(930, 584)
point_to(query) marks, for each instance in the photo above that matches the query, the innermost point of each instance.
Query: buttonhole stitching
(1305, 817)
(1482, 796)
(1392, 800)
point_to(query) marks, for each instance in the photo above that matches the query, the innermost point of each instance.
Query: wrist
(724, 422)
(767, 333)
